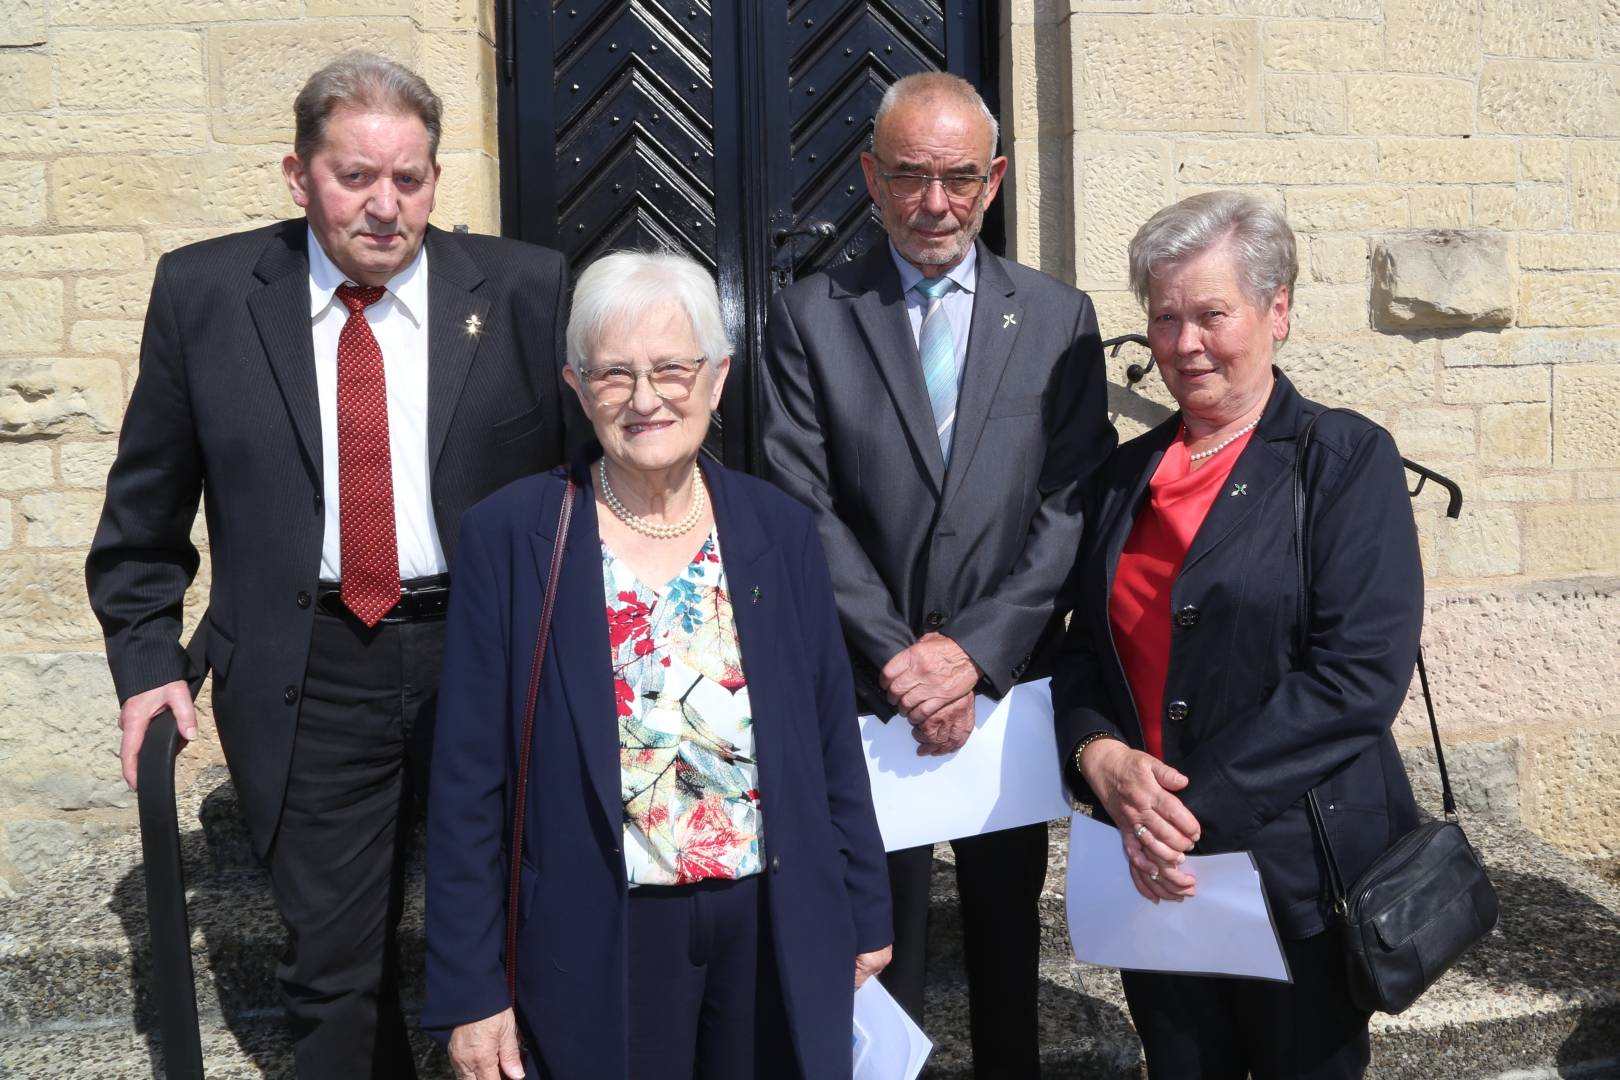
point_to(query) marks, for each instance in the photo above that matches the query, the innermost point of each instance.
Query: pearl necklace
(649, 528)
(1235, 436)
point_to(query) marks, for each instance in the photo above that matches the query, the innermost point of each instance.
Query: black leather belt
(419, 598)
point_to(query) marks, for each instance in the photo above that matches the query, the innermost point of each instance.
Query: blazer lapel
(880, 309)
(456, 316)
(280, 312)
(579, 654)
(1253, 475)
(997, 316)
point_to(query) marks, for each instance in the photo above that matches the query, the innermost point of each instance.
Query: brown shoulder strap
(564, 517)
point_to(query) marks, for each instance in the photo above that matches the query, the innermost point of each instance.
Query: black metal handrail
(1135, 373)
(172, 986)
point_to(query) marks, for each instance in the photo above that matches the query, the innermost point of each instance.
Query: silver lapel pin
(1239, 489)
(474, 324)
(1009, 319)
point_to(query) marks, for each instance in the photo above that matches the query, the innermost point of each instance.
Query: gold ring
(1140, 829)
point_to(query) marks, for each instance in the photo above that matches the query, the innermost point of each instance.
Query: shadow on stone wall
(1126, 404)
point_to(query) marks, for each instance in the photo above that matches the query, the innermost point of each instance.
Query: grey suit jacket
(225, 408)
(977, 551)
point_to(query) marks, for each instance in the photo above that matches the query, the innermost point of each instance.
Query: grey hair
(367, 82)
(932, 86)
(623, 284)
(1256, 230)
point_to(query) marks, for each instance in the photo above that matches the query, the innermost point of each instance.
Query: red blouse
(1139, 606)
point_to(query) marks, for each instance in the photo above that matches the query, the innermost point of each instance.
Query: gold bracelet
(1080, 747)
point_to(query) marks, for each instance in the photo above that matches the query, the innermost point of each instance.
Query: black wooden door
(730, 129)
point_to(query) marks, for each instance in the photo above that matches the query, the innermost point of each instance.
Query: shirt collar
(408, 287)
(964, 273)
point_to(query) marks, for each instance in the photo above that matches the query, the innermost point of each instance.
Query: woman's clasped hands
(1157, 830)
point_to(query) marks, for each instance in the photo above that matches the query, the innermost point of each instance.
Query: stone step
(73, 950)
(1542, 994)
(250, 1047)
(1085, 1035)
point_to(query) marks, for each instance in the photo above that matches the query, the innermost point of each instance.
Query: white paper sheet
(1225, 929)
(887, 1044)
(1006, 774)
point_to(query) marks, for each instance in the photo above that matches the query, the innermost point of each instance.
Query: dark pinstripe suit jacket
(977, 551)
(225, 408)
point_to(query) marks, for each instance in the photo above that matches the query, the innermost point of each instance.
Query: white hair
(1256, 231)
(926, 86)
(623, 284)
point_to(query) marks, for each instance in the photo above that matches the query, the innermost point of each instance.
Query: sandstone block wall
(127, 128)
(1376, 123)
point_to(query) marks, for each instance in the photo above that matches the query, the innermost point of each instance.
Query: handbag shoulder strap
(564, 516)
(1301, 628)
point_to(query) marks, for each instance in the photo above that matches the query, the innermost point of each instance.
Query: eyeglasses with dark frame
(615, 384)
(961, 187)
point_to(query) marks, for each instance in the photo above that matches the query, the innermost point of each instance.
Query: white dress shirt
(400, 323)
(958, 302)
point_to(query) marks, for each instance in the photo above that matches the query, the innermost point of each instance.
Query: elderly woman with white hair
(700, 884)
(1201, 697)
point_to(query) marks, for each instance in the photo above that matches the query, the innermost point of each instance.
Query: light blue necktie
(938, 348)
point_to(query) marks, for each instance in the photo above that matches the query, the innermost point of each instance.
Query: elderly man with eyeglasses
(940, 408)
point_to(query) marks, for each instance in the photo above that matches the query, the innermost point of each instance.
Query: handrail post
(172, 985)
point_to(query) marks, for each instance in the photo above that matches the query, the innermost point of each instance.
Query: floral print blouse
(686, 739)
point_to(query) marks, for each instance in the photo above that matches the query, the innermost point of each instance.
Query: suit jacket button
(290, 695)
(1187, 616)
(1177, 711)
(319, 502)
(304, 599)
(934, 620)
(776, 864)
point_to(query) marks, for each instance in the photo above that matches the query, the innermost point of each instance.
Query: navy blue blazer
(826, 883)
(1252, 730)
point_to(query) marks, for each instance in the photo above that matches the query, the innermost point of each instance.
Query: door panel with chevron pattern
(728, 129)
(634, 127)
(841, 57)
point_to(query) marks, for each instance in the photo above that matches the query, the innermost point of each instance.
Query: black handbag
(1425, 901)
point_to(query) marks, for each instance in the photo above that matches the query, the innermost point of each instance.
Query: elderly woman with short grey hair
(1194, 709)
(698, 848)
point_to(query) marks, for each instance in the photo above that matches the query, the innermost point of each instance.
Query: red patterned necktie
(369, 547)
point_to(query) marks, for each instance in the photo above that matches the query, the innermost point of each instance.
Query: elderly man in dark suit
(940, 408)
(339, 387)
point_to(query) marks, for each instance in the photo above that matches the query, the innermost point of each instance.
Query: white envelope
(887, 1044)
(1225, 929)
(1007, 774)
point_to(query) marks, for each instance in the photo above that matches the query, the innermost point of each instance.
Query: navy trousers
(1202, 1028)
(705, 999)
